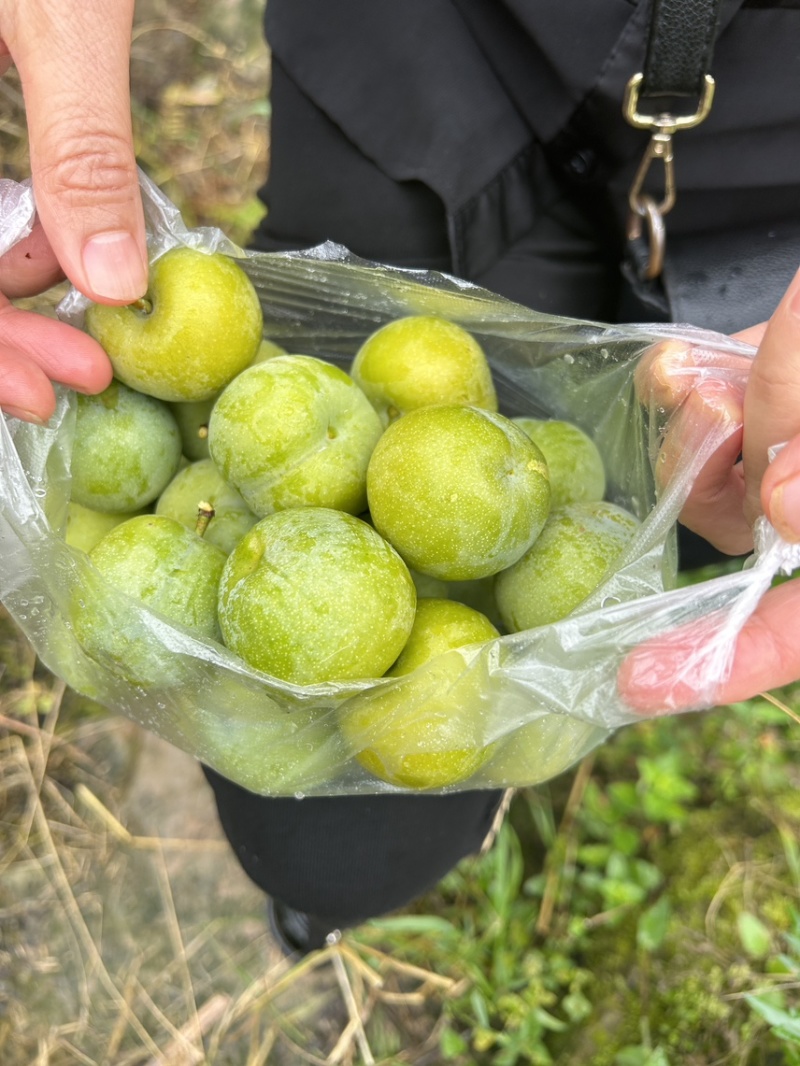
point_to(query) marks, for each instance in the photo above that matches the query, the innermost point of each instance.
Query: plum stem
(205, 512)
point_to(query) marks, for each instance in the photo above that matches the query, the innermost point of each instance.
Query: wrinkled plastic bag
(543, 698)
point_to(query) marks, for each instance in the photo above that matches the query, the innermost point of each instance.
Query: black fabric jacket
(485, 101)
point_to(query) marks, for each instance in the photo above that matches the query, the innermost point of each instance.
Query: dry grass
(200, 76)
(129, 934)
(200, 82)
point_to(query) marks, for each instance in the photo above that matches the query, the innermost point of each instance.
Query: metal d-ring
(660, 150)
(645, 208)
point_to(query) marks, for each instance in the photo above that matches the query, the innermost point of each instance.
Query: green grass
(661, 926)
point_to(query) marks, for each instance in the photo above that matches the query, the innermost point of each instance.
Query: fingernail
(114, 267)
(785, 508)
(23, 415)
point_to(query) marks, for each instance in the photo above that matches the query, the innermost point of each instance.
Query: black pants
(354, 857)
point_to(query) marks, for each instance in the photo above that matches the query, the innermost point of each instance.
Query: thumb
(772, 398)
(73, 61)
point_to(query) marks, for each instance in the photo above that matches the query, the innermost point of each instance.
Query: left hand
(73, 60)
(725, 500)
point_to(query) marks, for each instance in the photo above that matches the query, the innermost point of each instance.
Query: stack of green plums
(330, 527)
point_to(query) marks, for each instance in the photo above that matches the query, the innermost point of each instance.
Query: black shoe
(298, 933)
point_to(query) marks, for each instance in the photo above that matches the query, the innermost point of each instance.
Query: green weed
(641, 934)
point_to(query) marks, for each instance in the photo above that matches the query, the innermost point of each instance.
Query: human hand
(73, 61)
(772, 416)
(34, 350)
(762, 410)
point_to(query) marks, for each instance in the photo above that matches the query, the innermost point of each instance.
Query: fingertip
(25, 391)
(664, 376)
(36, 418)
(115, 266)
(783, 509)
(780, 491)
(85, 366)
(95, 376)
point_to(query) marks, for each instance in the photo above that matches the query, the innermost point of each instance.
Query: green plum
(126, 449)
(576, 467)
(192, 419)
(573, 554)
(478, 594)
(429, 587)
(539, 751)
(460, 492)
(193, 416)
(421, 360)
(167, 568)
(312, 594)
(439, 625)
(285, 753)
(427, 733)
(295, 431)
(201, 482)
(197, 327)
(267, 350)
(426, 586)
(86, 527)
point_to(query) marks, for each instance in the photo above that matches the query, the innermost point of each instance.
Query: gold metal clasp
(630, 107)
(660, 147)
(664, 126)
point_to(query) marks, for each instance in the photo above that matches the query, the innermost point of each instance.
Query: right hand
(757, 400)
(73, 59)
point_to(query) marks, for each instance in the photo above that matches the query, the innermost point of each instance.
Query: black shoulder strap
(680, 46)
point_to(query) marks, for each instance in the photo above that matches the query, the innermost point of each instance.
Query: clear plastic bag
(537, 700)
